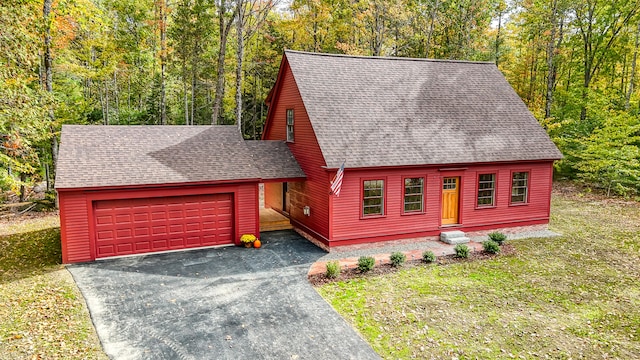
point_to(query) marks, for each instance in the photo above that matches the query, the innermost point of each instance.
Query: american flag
(336, 184)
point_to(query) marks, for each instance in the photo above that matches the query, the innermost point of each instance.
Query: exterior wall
(273, 195)
(74, 227)
(314, 191)
(349, 227)
(77, 218)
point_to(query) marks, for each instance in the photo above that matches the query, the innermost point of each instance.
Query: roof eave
(157, 185)
(442, 165)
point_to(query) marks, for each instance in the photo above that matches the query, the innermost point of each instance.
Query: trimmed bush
(397, 259)
(333, 269)
(366, 263)
(491, 247)
(462, 251)
(497, 237)
(428, 256)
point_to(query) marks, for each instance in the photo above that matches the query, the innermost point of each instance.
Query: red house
(427, 146)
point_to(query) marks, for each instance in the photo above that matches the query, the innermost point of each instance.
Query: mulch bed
(349, 274)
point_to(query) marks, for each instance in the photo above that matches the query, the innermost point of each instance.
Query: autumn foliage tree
(198, 62)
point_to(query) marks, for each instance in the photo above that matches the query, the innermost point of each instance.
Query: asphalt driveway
(227, 303)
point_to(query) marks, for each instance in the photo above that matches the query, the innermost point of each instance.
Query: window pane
(290, 117)
(289, 124)
(519, 187)
(449, 183)
(413, 194)
(486, 189)
(373, 197)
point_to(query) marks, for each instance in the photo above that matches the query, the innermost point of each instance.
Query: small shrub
(397, 259)
(491, 247)
(462, 251)
(366, 263)
(428, 256)
(333, 269)
(497, 237)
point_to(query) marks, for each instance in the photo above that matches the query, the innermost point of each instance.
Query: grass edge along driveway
(42, 313)
(574, 296)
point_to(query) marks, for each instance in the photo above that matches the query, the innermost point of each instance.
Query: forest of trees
(200, 62)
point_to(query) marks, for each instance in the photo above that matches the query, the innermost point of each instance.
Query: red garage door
(136, 226)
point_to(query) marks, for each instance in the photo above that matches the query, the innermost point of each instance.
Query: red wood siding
(349, 227)
(74, 227)
(78, 224)
(314, 191)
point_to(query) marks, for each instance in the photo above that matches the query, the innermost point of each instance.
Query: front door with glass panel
(450, 200)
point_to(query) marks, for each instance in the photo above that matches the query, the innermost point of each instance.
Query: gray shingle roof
(96, 156)
(397, 111)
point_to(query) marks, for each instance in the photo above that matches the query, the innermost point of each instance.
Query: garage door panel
(124, 249)
(176, 229)
(133, 226)
(124, 234)
(140, 216)
(104, 219)
(159, 230)
(141, 231)
(143, 246)
(104, 235)
(158, 215)
(106, 250)
(177, 243)
(123, 218)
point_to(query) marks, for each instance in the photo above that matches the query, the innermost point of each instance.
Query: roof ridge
(397, 58)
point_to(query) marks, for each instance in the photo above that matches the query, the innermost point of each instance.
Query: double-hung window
(486, 190)
(413, 195)
(373, 198)
(519, 187)
(290, 125)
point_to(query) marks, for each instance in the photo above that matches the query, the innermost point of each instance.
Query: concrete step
(454, 237)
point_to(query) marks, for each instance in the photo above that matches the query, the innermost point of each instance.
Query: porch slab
(271, 220)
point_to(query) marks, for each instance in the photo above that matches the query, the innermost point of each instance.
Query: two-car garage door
(135, 226)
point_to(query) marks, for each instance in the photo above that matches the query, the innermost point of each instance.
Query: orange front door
(450, 196)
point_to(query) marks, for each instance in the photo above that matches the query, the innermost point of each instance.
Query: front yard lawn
(574, 296)
(42, 313)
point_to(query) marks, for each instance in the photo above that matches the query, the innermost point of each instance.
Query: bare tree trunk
(163, 58)
(632, 79)
(106, 103)
(378, 29)
(116, 96)
(551, 57)
(23, 190)
(316, 45)
(225, 26)
(239, 56)
(185, 96)
(48, 77)
(432, 21)
(498, 35)
(194, 78)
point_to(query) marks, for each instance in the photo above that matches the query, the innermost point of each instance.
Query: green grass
(575, 296)
(42, 313)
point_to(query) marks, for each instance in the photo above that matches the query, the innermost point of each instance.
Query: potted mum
(248, 239)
